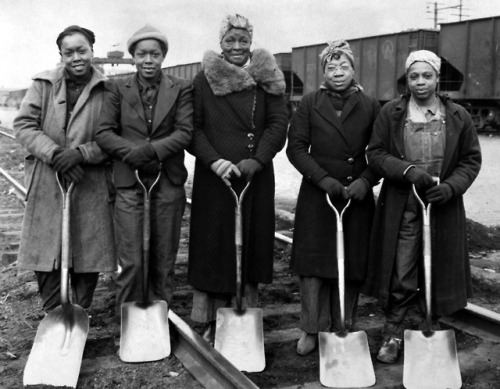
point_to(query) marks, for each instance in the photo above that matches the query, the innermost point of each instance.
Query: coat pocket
(30, 164)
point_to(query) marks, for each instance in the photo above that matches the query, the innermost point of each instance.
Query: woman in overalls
(426, 140)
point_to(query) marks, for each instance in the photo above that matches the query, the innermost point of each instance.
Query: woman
(240, 123)
(417, 137)
(326, 143)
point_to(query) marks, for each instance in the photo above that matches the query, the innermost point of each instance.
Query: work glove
(151, 168)
(74, 174)
(333, 187)
(64, 159)
(248, 167)
(420, 178)
(358, 189)
(225, 169)
(139, 156)
(439, 194)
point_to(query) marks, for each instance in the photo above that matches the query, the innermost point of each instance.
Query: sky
(29, 28)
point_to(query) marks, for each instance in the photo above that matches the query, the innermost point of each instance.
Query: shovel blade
(56, 355)
(344, 360)
(431, 361)
(239, 337)
(145, 334)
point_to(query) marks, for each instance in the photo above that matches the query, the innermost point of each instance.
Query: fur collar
(225, 78)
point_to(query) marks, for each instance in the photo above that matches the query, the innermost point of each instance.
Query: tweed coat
(451, 282)
(322, 144)
(238, 114)
(122, 124)
(41, 127)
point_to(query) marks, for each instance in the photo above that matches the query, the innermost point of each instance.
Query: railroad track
(477, 329)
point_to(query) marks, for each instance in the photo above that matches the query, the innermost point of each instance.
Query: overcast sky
(29, 27)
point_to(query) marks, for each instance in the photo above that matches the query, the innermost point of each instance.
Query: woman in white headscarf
(418, 138)
(240, 123)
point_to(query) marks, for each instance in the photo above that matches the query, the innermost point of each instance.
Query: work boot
(389, 352)
(307, 343)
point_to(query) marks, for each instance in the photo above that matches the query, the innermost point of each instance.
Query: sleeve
(28, 124)
(299, 142)
(368, 174)
(181, 137)
(108, 129)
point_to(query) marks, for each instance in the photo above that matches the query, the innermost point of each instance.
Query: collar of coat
(57, 75)
(402, 104)
(225, 78)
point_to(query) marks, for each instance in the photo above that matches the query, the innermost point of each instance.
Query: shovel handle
(238, 240)
(340, 257)
(427, 251)
(146, 231)
(65, 235)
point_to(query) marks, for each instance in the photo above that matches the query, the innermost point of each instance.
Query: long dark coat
(322, 144)
(224, 98)
(451, 283)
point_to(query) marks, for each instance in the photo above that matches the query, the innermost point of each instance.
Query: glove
(64, 159)
(248, 167)
(225, 170)
(333, 187)
(152, 168)
(358, 189)
(439, 194)
(74, 174)
(420, 178)
(139, 156)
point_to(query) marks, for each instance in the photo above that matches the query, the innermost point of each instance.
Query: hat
(336, 47)
(424, 56)
(235, 21)
(89, 35)
(147, 32)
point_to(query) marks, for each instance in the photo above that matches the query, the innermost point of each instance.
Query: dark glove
(151, 168)
(139, 156)
(358, 189)
(333, 187)
(248, 167)
(65, 159)
(420, 178)
(225, 169)
(74, 174)
(439, 194)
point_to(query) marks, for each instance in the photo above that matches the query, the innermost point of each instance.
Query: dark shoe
(389, 352)
(307, 343)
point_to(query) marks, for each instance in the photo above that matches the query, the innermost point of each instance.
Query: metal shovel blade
(345, 360)
(431, 361)
(57, 351)
(239, 337)
(145, 333)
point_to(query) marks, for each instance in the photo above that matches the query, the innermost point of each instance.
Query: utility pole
(436, 10)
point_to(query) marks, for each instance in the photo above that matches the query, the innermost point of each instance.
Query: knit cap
(147, 32)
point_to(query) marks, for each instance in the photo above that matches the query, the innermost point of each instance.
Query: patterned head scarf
(424, 56)
(89, 35)
(338, 47)
(235, 21)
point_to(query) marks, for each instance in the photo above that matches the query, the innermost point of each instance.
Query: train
(470, 74)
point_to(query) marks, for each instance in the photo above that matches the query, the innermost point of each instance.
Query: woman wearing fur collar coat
(240, 123)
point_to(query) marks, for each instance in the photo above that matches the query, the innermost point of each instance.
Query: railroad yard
(20, 314)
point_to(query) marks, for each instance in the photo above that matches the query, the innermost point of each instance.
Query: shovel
(344, 357)
(431, 359)
(56, 355)
(145, 334)
(239, 333)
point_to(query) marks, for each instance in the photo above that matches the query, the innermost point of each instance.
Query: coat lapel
(130, 93)
(398, 117)
(60, 102)
(453, 123)
(327, 112)
(167, 95)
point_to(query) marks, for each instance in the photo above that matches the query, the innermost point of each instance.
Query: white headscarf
(424, 56)
(235, 21)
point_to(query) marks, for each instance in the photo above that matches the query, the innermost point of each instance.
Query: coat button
(350, 160)
(250, 135)
(349, 179)
(250, 147)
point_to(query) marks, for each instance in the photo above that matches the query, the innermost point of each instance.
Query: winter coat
(229, 101)
(451, 282)
(41, 128)
(322, 144)
(122, 125)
